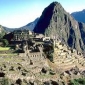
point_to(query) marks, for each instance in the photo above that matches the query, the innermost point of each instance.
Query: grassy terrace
(8, 52)
(11, 54)
(4, 48)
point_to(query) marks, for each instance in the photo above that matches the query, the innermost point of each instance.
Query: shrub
(80, 81)
(4, 81)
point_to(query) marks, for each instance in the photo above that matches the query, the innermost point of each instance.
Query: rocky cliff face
(55, 21)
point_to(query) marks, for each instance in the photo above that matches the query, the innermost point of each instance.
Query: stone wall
(35, 56)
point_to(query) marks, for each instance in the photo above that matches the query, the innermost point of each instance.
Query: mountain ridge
(31, 25)
(79, 15)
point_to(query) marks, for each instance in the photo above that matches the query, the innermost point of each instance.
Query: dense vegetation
(80, 81)
(2, 32)
(4, 42)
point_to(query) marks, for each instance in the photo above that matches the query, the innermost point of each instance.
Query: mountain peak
(53, 9)
(55, 3)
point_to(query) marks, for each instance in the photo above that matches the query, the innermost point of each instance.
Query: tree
(2, 32)
(5, 42)
(50, 56)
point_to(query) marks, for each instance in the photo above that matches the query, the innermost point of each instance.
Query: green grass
(4, 48)
(45, 76)
(15, 54)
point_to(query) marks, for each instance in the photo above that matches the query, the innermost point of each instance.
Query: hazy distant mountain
(55, 21)
(79, 16)
(29, 26)
(9, 29)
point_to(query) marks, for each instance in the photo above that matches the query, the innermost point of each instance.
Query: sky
(17, 13)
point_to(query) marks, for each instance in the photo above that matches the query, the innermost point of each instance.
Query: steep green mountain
(79, 15)
(55, 21)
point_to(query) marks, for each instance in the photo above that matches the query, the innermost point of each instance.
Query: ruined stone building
(20, 35)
